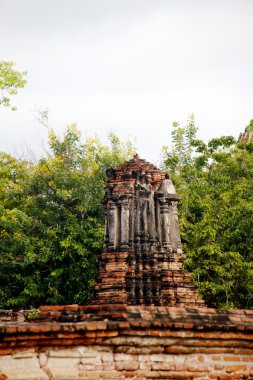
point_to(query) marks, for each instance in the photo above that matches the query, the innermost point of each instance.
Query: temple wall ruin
(128, 342)
(147, 320)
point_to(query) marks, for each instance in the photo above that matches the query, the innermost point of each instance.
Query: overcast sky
(128, 66)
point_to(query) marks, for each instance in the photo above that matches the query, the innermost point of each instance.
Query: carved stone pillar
(165, 229)
(158, 223)
(174, 226)
(112, 226)
(106, 236)
(124, 235)
(144, 221)
(137, 223)
(131, 222)
(151, 220)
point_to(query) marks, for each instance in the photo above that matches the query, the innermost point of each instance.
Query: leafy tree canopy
(216, 213)
(52, 220)
(10, 81)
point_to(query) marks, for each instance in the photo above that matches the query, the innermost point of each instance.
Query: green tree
(216, 214)
(10, 81)
(52, 221)
(15, 226)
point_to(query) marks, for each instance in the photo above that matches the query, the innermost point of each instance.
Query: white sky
(128, 66)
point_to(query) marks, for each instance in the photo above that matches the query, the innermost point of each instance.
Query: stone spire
(142, 259)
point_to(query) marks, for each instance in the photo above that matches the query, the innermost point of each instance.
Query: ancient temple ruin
(112, 342)
(142, 264)
(142, 259)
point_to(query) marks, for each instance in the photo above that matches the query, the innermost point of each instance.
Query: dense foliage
(215, 181)
(10, 81)
(52, 220)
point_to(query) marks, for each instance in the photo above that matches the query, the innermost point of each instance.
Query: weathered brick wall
(120, 342)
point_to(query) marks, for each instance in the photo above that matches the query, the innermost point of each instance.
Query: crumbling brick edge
(121, 342)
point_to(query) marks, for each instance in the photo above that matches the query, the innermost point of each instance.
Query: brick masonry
(147, 321)
(142, 259)
(121, 342)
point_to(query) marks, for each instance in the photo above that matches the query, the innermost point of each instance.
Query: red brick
(220, 376)
(147, 316)
(11, 329)
(247, 358)
(236, 368)
(232, 358)
(218, 367)
(216, 357)
(195, 368)
(123, 325)
(5, 351)
(39, 328)
(91, 326)
(188, 325)
(200, 358)
(101, 326)
(179, 375)
(179, 350)
(51, 308)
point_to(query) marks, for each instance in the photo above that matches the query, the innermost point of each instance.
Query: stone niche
(142, 259)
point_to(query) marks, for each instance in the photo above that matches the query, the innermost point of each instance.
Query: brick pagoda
(142, 259)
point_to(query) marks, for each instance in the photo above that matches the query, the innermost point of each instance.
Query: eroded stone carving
(142, 259)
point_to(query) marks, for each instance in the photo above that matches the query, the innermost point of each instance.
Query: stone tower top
(140, 208)
(122, 178)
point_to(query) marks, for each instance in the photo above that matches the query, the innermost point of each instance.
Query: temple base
(144, 279)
